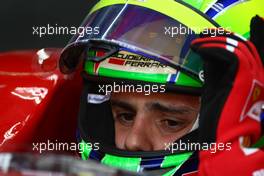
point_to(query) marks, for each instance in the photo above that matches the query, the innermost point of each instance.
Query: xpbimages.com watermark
(174, 31)
(147, 89)
(57, 146)
(194, 146)
(49, 29)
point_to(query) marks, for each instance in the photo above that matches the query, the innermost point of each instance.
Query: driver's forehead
(166, 99)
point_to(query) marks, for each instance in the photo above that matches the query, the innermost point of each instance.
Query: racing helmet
(143, 42)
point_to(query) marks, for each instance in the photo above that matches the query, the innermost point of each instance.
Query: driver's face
(146, 123)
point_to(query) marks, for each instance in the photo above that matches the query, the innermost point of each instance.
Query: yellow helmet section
(234, 15)
(237, 15)
(185, 15)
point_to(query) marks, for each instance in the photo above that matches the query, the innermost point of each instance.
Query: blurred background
(17, 19)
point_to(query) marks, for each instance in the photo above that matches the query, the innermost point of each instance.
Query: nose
(139, 137)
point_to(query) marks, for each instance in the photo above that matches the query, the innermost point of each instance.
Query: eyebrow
(154, 106)
(123, 104)
(168, 108)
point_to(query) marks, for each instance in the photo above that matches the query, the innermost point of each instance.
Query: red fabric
(236, 124)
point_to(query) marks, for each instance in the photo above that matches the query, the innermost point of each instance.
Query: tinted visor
(139, 29)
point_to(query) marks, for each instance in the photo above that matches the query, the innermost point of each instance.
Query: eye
(170, 125)
(125, 118)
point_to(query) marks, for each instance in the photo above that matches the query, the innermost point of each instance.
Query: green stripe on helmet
(91, 53)
(260, 143)
(182, 79)
(128, 163)
(85, 150)
(132, 164)
(194, 3)
(172, 171)
(175, 160)
(247, 35)
(206, 4)
(89, 67)
(185, 80)
(158, 78)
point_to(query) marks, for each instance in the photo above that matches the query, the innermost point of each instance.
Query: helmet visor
(143, 30)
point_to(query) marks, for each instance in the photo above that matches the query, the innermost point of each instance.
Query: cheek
(120, 135)
(161, 141)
